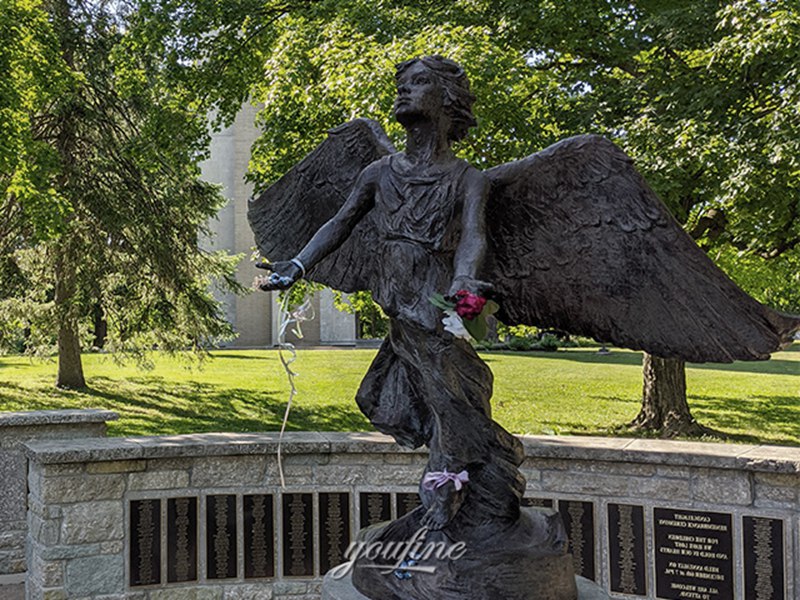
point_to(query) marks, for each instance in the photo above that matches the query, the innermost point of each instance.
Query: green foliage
(774, 282)
(703, 95)
(32, 75)
(336, 62)
(102, 183)
(371, 320)
(549, 343)
(505, 331)
(520, 343)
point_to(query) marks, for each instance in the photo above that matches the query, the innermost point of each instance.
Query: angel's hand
(283, 274)
(472, 285)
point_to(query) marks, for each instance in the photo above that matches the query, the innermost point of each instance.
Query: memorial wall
(204, 516)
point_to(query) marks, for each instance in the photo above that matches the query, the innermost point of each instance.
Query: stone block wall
(175, 517)
(16, 428)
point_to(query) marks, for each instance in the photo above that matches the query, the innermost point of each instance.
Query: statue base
(343, 589)
(526, 560)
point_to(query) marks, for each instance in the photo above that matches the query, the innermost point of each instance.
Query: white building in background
(255, 315)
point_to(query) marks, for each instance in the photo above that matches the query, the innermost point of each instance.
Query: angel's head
(434, 86)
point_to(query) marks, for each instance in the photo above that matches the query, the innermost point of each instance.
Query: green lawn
(572, 391)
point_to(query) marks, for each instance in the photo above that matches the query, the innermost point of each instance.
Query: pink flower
(469, 305)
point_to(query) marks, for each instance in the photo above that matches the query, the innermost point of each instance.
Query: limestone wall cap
(769, 459)
(56, 417)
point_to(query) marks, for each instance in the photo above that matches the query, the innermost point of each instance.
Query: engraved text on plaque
(259, 536)
(181, 539)
(764, 570)
(145, 540)
(298, 535)
(626, 549)
(693, 554)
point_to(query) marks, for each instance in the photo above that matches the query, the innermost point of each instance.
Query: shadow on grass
(778, 417)
(154, 406)
(773, 366)
(239, 355)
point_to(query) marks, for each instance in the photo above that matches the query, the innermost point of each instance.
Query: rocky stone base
(524, 561)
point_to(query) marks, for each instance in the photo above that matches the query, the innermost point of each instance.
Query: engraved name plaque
(626, 549)
(181, 539)
(693, 555)
(221, 536)
(298, 535)
(764, 559)
(145, 542)
(259, 536)
(578, 519)
(406, 502)
(334, 529)
(376, 507)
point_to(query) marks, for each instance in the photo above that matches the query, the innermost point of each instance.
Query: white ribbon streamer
(304, 312)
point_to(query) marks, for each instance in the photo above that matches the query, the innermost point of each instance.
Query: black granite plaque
(694, 555)
(626, 549)
(334, 529)
(298, 535)
(406, 502)
(259, 536)
(145, 542)
(181, 539)
(538, 502)
(376, 507)
(764, 559)
(578, 519)
(221, 536)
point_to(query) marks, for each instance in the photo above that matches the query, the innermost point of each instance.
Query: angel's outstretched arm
(472, 245)
(332, 234)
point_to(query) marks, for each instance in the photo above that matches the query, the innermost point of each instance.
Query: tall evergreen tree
(100, 178)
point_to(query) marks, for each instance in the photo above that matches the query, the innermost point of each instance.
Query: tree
(703, 95)
(104, 195)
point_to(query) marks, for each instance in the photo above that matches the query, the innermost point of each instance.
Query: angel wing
(578, 241)
(289, 212)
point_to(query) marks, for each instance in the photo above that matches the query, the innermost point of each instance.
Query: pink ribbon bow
(436, 479)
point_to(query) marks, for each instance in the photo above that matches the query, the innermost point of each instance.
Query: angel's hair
(458, 100)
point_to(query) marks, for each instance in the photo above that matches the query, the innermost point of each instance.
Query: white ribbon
(304, 312)
(436, 479)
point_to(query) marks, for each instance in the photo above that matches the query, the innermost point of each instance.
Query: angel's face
(419, 94)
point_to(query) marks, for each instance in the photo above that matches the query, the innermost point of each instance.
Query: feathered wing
(578, 241)
(286, 215)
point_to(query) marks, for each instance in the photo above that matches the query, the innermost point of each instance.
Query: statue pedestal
(523, 560)
(342, 589)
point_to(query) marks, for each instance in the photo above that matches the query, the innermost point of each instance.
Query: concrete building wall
(255, 316)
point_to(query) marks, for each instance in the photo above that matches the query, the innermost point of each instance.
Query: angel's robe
(425, 386)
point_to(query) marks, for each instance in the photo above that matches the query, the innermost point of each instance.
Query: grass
(572, 391)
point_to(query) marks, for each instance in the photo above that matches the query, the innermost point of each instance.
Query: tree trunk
(100, 326)
(70, 367)
(665, 409)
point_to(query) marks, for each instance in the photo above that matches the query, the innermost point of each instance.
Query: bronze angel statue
(570, 237)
